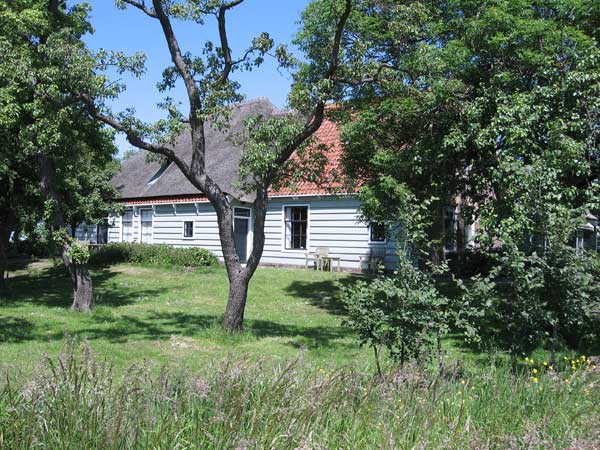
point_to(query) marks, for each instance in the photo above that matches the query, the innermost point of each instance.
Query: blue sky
(131, 31)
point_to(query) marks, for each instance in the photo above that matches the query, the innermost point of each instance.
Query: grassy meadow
(150, 368)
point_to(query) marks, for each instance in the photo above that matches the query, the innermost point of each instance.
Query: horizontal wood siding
(333, 223)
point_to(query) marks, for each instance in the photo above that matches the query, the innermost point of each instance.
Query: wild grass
(76, 402)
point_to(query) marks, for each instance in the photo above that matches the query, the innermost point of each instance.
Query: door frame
(250, 233)
(151, 228)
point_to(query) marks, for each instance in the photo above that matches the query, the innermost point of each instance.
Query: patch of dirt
(130, 270)
(180, 342)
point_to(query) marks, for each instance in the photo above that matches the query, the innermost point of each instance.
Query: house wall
(332, 222)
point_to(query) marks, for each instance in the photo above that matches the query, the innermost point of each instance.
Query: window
(296, 227)
(377, 232)
(127, 225)
(146, 222)
(451, 229)
(586, 239)
(188, 229)
(102, 232)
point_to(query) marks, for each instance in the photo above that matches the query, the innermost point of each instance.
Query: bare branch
(141, 5)
(228, 63)
(337, 40)
(365, 79)
(132, 137)
(176, 55)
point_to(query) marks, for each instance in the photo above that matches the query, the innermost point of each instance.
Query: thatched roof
(138, 178)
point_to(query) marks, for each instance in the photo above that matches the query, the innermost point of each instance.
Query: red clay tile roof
(331, 180)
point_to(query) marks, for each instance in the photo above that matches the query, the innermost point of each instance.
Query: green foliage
(403, 313)
(497, 104)
(79, 252)
(159, 255)
(43, 59)
(556, 296)
(461, 98)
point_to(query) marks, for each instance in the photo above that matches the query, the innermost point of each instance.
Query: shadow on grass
(324, 294)
(51, 287)
(164, 325)
(15, 329)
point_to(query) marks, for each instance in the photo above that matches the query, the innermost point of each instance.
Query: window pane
(241, 212)
(188, 229)
(128, 215)
(296, 226)
(146, 215)
(377, 232)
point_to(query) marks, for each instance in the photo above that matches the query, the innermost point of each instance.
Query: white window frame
(141, 228)
(370, 230)
(122, 222)
(292, 250)
(193, 236)
(454, 218)
(250, 238)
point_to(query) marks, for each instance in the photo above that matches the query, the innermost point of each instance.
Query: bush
(31, 247)
(163, 255)
(403, 313)
(535, 299)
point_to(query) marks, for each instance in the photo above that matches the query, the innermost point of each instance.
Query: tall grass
(76, 402)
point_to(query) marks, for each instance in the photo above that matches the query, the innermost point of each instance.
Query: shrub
(164, 255)
(534, 299)
(402, 313)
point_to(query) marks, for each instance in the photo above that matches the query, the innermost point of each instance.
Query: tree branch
(132, 137)
(365, 79)
(176, 55)
(228, 65)
(142, 7)
(315, 120)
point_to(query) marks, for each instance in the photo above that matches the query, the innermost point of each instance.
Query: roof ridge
(258, 99)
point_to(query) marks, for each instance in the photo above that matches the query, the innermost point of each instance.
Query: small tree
(210, 92)
(403, 313)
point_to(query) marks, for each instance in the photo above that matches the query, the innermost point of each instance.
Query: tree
(210, 91)
(52, 148)
(446, 94)
(496, 103)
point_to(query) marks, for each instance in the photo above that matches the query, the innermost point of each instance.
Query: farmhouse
(162, 207)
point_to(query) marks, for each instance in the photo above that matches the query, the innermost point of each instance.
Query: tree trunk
(240, 275)
(83, 291)
(8, 220)
(236, 304)
(437, 255)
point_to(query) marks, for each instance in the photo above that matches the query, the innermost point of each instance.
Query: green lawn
(249, 390)
(173, 315)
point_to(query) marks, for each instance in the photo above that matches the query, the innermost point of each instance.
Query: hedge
(161, 255)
